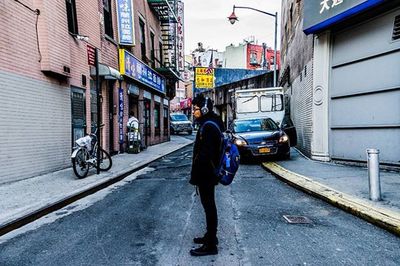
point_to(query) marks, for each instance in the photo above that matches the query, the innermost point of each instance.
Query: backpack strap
(212, 123)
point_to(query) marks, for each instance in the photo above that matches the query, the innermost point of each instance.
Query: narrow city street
(101, 101)
(150, 218)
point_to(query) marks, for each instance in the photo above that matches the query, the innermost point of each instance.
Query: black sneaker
(204, 250)
(202, 240)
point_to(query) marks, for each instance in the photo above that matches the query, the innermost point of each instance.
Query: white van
(260, 102)
(265, 103)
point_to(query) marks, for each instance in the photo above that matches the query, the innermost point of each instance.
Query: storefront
(145, 94)
(166, 118)
(133, 100)
(356, 87)
(109, 80)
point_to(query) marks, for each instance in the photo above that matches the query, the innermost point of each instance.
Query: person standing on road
(206, 155)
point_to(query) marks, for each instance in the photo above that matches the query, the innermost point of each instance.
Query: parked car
(180, 123)
(290, 130)
(256, 137)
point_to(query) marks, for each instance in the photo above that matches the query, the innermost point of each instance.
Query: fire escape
(166, 13)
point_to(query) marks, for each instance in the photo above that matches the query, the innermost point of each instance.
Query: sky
(206, 21)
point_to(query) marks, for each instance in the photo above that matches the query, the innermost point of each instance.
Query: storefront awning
(106, 72)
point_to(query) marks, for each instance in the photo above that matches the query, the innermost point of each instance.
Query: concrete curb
(77, 195)
(381, 217)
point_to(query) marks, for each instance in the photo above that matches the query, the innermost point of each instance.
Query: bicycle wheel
(80, 164)
(105, 160)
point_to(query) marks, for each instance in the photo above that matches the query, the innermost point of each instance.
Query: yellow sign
(204, 78)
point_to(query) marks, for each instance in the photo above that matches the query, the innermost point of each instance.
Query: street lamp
(233, 18)
(96, 59)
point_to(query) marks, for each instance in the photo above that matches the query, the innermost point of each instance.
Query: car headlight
(283, 139)
(240, 142)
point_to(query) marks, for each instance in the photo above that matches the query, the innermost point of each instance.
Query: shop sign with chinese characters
(321, 14)
(131, 66)
(126, 29)
(121, 114)
(204, 78)
(180, 36)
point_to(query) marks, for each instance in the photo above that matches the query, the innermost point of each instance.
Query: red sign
(91, 51)
(186, 103)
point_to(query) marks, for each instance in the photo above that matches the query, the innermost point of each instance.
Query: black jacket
(206, 151)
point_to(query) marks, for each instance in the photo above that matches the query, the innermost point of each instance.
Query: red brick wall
(19, 51)
(259, 50)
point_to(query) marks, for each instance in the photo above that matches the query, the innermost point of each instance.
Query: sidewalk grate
(295, 219)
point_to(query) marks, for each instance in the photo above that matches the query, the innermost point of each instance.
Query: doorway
(112, 110)
(78, 114)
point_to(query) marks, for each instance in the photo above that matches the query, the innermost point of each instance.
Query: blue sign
(121, 115)
(132, 67)
(321, 14)
(125, 22)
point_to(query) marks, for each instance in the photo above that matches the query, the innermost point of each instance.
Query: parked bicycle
(84, 156)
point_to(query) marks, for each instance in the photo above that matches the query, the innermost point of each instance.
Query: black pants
(207, 197)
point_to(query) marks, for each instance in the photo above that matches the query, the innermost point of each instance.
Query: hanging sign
(91, 55)
(126, 29)
(180, 37)
(204, 78)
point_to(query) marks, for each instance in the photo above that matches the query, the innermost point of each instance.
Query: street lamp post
(233, 18)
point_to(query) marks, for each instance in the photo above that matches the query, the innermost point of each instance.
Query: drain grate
(295, 219)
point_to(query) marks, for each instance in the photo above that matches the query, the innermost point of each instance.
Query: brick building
(48, 89)
(249, 55)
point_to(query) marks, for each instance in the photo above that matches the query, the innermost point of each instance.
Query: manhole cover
(295, 219)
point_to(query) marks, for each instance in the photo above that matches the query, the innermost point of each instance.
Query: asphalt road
(151, 217)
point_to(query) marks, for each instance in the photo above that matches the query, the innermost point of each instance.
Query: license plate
(264, 150)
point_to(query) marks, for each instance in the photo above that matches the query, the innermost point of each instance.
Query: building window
(108, 27)
(71, 16)
(152, 51)
(142, 39)
(165, 116)
(253, 58)
(161, 53)
(157, 129)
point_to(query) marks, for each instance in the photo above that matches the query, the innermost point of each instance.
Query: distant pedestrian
(206, 155)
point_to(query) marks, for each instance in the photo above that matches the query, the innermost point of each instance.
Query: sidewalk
(344, 186)
(26, 200)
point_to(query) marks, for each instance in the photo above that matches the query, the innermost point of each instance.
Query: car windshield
(179, 117)
(248, 125)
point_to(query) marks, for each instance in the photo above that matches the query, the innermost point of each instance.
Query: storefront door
(147, 119)
(111, 111)
(78, 113)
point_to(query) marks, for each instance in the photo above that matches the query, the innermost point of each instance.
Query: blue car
(257, 137)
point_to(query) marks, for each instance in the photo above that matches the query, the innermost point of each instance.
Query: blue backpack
(229, 158)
